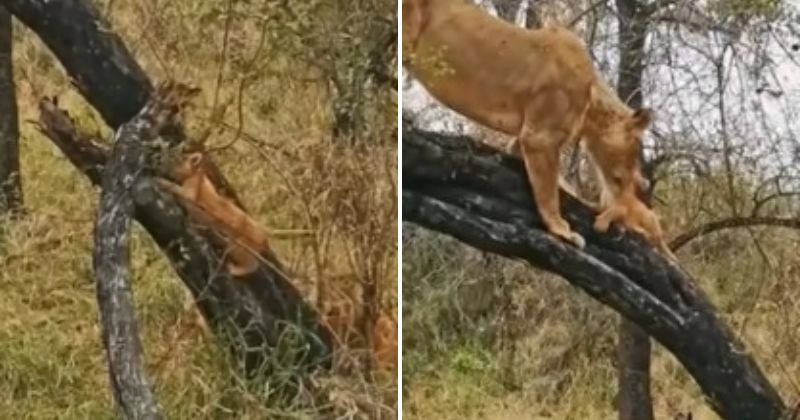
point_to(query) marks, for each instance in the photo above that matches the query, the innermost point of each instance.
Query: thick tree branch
(483, 199)
(129, 383)
(92, 54)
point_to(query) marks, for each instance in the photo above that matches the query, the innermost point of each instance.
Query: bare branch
(731, 223)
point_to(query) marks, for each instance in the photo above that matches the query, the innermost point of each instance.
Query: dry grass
(290, 174)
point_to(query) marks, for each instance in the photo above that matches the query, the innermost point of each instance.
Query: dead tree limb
(250, 314)
(127, 165)
(731, 223)
(482, 199)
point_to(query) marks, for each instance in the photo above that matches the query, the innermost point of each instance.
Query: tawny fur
(340, 302)
(384, 343)
(538, 85)
(636, 216)
(247, 241)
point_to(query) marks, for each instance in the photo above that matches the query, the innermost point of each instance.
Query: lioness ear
(642, 118)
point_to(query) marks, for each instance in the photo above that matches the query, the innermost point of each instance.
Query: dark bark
(483, 199)
(533, 19)
(250, 314)
(634, 401)
(92, 54)
(131, 388)
(10, 182)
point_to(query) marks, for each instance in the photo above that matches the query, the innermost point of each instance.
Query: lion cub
(247, 241)
(636, 216)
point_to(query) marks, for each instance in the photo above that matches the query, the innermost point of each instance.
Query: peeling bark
(482, 198)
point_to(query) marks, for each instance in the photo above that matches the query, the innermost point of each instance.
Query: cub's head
(187, 166)
(618, 154)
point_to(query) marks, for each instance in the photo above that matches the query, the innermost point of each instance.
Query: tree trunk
(633, 344)
(482, 198)
(10, 182)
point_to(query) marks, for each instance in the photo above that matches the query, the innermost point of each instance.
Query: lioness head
(618, 152)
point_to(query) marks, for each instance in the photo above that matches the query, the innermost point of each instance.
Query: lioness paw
(573, 238)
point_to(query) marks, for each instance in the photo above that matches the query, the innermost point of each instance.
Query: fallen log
(454, 186)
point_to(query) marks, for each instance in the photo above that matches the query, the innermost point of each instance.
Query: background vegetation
(299, 105)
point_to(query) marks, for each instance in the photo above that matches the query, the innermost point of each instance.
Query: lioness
(538, 85)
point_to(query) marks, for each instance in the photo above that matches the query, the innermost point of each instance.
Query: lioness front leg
(540, 154)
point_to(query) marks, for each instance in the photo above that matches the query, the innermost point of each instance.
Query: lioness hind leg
(540, 154)
(610, 215)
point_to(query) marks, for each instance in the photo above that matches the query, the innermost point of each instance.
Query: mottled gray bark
(10, 182)
(482, 198)
(131, 388)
